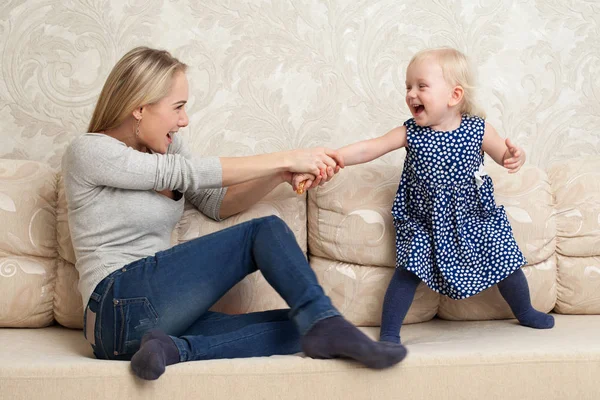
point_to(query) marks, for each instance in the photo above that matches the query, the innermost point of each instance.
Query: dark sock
(335, 337)
(398, 298)
(157, 350)
(515, 291)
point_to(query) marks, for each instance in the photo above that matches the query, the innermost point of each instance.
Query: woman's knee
(273, 220)
(275, 223)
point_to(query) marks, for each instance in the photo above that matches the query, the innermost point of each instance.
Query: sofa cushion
(358, 292)
(576, 187)
(578, 285)
(27, 243)
(446, 360)
(68, 308)
(349, 219)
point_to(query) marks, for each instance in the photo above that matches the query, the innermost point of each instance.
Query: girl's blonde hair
(142, 76)
(457, 71)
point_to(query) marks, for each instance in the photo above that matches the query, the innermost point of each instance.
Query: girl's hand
(514, 157)
(302, 182)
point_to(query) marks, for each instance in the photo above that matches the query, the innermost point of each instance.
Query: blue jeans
(174, 289)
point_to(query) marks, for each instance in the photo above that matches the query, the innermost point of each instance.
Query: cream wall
(274, 75)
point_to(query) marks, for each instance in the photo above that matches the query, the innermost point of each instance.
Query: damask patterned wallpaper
(279, 74)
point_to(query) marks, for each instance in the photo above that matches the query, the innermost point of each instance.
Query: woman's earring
(137, 127)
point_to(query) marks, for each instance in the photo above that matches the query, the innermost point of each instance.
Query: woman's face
(163, 118)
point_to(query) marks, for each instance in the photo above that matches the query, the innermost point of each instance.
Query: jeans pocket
(133, 318)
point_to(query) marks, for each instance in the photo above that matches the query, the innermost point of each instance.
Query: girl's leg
(515, 291)
(398, 298)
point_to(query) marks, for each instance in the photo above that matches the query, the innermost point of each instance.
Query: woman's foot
(335, 337)
(156, 352)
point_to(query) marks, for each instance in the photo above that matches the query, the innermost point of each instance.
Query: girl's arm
(502, 151)
(358, 153)
(369, 150)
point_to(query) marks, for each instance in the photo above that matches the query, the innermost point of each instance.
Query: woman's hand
(315, 161)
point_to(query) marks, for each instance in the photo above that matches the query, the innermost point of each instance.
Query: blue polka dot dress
(449, 231)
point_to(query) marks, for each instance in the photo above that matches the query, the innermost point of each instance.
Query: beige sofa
(470, 351)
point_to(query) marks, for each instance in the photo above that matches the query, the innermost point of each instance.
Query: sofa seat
(447, 360)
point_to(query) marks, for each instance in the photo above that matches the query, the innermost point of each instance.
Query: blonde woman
(450, 233)
(126, 181)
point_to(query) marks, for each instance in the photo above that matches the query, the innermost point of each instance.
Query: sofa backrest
(576, 191)
(346, 229)
(28, 250)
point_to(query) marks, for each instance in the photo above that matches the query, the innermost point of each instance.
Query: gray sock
(156, 352)
(335, 337)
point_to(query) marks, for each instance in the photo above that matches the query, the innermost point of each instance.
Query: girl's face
(163, 118)
(428, 96)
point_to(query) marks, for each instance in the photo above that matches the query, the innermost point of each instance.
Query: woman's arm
(242, 196)
(315, 161)
(99, 160)
(225, 202)
(502, 151)
(267, 171)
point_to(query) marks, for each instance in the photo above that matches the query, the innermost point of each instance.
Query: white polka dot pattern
(449, 231)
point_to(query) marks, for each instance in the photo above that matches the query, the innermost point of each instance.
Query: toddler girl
(450, 233)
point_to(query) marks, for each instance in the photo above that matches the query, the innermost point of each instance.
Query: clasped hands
(309, 168)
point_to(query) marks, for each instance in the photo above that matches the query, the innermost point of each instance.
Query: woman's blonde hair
(142, 76)
(457, 71)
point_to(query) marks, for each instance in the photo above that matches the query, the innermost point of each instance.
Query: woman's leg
(213, 323)
(398, 298)
(226, 336)
(325, 333)
(174, 289)
(254, 334)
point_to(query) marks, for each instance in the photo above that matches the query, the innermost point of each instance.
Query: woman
(125, 182)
